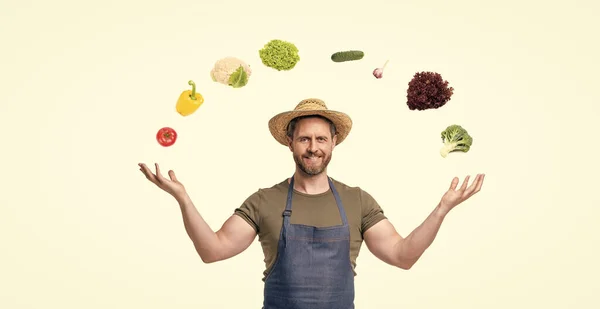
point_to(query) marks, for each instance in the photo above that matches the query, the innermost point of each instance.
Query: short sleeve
(371, 211)
(249, 210)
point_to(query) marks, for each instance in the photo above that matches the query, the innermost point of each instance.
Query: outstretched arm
(388, 245)
(235, 235)
(231, 239)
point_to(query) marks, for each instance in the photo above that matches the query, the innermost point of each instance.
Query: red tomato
(166, 136)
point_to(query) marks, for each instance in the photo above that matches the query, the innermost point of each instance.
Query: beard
(317, 162)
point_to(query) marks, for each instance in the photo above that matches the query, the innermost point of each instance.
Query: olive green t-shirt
(263, 211)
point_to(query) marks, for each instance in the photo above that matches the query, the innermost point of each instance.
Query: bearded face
(312, 162)
(312, 145)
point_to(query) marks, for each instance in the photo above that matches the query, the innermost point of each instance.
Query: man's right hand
(172, 186)
(232, 238)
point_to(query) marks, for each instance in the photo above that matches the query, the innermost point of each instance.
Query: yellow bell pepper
(189, 101)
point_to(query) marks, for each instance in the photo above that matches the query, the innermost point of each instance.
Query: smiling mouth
(314, 158)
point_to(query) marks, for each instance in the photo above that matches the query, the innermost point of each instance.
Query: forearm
(414, 245)
(205, 240)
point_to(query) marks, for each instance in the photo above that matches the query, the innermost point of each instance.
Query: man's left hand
(454, 197)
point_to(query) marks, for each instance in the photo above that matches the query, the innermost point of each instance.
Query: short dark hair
(294, 122)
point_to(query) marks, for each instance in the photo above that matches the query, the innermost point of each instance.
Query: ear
(290, 144)
(334, 141)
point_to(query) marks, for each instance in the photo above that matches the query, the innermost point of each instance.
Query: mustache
(310, 154)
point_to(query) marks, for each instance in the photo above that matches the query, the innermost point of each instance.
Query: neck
(309, 184)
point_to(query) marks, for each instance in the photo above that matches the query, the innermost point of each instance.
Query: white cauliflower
(231, 71)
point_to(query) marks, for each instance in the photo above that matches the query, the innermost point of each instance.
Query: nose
(312, 145)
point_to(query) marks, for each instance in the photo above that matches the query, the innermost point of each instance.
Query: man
(311, 226)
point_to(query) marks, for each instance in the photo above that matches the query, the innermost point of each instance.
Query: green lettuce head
(279, 55)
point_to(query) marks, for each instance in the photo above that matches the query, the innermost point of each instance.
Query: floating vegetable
(189, 101)
(378, 72)
(231, 71)
(455, 138)
(348, 55)
(166, 136)
(279, 55)
(427, 90)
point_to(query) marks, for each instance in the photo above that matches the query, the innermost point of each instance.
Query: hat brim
(279, 123)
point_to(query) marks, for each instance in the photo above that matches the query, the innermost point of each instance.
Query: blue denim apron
(312, 269)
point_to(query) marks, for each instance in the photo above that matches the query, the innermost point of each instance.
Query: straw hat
(279, 123)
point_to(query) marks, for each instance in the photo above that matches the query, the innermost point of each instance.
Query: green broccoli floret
(455, 138)
(279, 55)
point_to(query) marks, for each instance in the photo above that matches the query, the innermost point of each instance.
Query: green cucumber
(349, 55)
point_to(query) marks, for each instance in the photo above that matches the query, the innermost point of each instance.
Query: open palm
(455, 196)
(171, 186)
